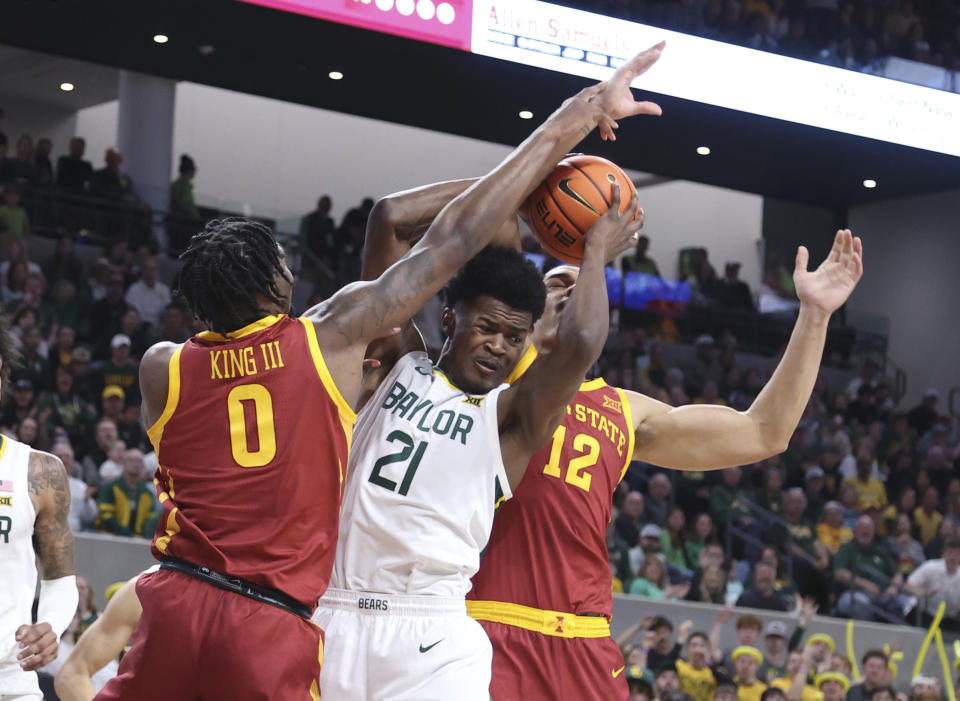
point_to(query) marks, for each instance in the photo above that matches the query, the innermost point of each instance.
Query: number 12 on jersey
(408, 445)
(576, 468)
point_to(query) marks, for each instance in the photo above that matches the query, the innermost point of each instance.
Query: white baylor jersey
(425, 477)
(18, 567)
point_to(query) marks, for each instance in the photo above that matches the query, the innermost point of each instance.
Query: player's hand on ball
(616, 98)
(38, 646)
(614, 231)
(829, 286)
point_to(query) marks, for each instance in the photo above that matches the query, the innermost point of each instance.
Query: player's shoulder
(159, 354)
(46, 475)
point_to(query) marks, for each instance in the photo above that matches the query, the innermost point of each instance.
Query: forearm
(585, 320)
(398, 220)
(73, 683)
(780, 404)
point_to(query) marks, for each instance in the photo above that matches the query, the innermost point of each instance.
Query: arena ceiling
(255, 50)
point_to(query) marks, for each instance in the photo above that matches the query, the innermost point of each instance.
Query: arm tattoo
(52, 537)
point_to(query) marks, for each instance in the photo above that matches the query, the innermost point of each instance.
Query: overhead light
(703, 150)
(161, 38)
(335, 75)
(406, 7)
(869, 184)
(445, 13)
(426, 9)
(526, 114)
(67, 87)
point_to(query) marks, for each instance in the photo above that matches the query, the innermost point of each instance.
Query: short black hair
(9, 355)
(881, 690)
(186, 164)
(701, 635)
(661, 622)
(225, 267)
(501, 273)
(875, 653)
(772, 692)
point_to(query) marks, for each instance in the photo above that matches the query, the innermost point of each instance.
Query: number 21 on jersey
(576, 469)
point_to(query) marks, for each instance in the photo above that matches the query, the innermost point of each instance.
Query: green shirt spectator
(864, 558)
(181, 190)
(13, 216)
(127, 505)
(727, 499)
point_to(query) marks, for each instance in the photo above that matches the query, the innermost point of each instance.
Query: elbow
(385, 211)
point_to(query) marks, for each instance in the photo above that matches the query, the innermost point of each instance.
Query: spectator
(946, 533)
(866, 575)
(667, 683)
(24, 404)
(705, 366)
(732, 292)
(694, 676)
(772, 693)
(42, 166)
(876, 675)
(922, 417)
(83, 508)
(672, 540)
(747, 660)
(136, 331)
(728, 504)
(814, 485)
(710, 556)
(181, 190)
(13, 215)
(712, 586)
(841, 664)
(106, 315)
(926, 516)
(657, 502)
(112, 467)
(664, 650)
(173, 328)
(149, 295)
(130, 429)
(66, 408)
(104, 436)
(62, 352)
(832, 533)
(110, 182)
(126, 505)
(33, 364)
(867, 377)
(85, 382)
(652, 581)
(121, 370)
(774, 652)
(762, 595)
(655, 372)
(905, 549)
(794, 680)
(726, 691)
(810, 560)
(74, 173)
(869, 488)
(640, 262)
(937, 581)
(773, 480)
(833, 685)
(630, 520)
(64, 264)
(849, 499)
(702, 534)
(319, 244)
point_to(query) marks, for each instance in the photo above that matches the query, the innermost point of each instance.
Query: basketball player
(548, 621)
(438, 447)
(101, 642)
(251, 423)
(34, 534)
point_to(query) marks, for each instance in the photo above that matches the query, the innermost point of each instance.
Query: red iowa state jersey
(548, 547)
(252, 446)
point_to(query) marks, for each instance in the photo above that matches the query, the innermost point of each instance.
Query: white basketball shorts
(401, 648)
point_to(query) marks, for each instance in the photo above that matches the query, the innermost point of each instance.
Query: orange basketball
(577, 193)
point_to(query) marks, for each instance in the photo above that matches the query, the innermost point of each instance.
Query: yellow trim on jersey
(526, 360)
(590, 385)
(314, 691)
(438, 371)
(258, 325)
(155, 432)
(3, 445)
(171, 527)
(631, 433)
(347, 414)
(554, 623)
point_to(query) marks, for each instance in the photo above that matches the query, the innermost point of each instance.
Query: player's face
(559, 283)
(486, 340)
(285, 283)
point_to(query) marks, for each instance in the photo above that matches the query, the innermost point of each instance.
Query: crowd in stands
(852, 34)
(859, 516)
(768, 663)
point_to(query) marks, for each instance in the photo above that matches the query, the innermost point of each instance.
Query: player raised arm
(53, 543)
(699, 437)
(531, 409)
(100, 643)
(361, 312)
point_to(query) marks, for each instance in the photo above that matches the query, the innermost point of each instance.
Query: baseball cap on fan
(121, 339)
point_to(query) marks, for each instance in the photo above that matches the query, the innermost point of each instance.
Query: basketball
(577, 193)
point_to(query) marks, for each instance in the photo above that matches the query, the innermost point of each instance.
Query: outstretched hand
(616, 98)
(829, 286)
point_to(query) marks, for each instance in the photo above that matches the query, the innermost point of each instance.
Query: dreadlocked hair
(501, 273)
(9, 355)
(225, 268)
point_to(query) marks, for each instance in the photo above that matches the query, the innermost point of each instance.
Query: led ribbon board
(582, 43)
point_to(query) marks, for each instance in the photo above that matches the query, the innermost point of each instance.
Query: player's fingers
(33, 634)
(614, 210)
(38, 646)
(803, 257)
(642, 61)
(42, 658)
(22, 630)
(651, 108)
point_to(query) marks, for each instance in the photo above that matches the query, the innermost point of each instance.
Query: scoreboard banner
(577, 42)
